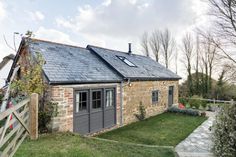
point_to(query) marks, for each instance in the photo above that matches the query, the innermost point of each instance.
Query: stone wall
(63, 95)
(141, 91)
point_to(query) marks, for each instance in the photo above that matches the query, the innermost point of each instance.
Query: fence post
(232, 101)
(33, 125)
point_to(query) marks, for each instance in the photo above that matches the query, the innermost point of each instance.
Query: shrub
(45, 116)
(190, 112)
(204, 104)
(1, 98)
(183, 101)
(224, 132)
(195, 102)
(142, 113)
(203, 114)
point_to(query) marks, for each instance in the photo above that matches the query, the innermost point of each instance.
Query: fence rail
(17, 123)
(214, 100)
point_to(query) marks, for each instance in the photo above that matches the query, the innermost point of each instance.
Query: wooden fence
(17, 123)
(214, 101)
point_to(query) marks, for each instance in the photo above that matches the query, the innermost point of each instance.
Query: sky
(107, 23)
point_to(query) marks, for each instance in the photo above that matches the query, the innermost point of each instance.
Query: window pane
(77, 107)
(155, 96)
(126, 61)
(77, 97)
(98, 103)
(109, 98)
(84, 105)
(81, 101)
(84, 96)
(94, 95)
(96, 99)
(98, 95)
(129, 63)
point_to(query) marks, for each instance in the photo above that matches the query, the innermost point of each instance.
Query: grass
(73, 145)
(167, 129)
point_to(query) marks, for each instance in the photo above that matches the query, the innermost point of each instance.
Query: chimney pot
(130, 49)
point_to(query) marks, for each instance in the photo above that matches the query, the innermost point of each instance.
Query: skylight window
(126, 61)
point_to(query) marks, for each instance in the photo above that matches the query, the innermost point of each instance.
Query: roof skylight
(126, 61)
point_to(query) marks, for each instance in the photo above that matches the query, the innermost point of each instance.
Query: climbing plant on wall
(30, 79)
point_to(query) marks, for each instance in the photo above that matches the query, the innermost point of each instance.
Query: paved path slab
(199, 142)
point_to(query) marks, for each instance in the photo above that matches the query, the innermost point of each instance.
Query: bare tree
(155, 43)
(224, 12)
(197, 65)
(187, 48)
(176, 61)
(167, 43)
(145, 44)
(208, 58)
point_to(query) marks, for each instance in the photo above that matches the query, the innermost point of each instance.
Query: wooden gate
(16, 123)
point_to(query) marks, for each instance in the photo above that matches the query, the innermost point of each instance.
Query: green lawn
(167, 129)
(72, 145)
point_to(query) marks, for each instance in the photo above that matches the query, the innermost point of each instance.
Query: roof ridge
(58, 43)
(114, 50)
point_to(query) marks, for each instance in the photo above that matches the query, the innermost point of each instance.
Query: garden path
(199, 142)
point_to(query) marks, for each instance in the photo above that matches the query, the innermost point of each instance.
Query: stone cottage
(98, 88)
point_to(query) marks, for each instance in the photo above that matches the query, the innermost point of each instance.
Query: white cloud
(36, 15)
(114, 23)
(2, 11)
(120, 19)
(53, 35)
(106, 2)
(126, 20)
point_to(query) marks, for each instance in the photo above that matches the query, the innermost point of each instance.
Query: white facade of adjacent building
(4, 69)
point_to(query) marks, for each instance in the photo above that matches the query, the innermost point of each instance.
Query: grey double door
(94, 110)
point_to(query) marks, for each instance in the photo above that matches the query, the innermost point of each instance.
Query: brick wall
(142, 92)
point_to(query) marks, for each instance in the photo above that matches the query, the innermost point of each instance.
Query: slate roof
(146, 68)
(70, 64)
(66, 64)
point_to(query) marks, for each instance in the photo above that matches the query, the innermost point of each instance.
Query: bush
(204, 104)
(1, 97)
(142, 113)
(190, 112)
(183, 101)
(224, 132)
(203, 114)
(45, 116)
(195, 102)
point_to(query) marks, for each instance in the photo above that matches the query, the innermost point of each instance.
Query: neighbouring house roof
(144, 67)
(66, 64)
(6, 59)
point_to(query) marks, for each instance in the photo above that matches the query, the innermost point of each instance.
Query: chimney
(130, 51)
